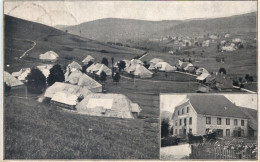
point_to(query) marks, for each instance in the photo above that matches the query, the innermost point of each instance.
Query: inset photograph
(213, 126)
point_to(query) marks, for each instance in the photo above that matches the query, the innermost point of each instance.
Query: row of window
(182, 131)
(227, 132)
(219, 120)
(183, 111)
(184, 121)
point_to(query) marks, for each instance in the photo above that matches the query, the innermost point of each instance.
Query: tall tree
(36, 81)
(121, 65)
(104, 61)
(103, 76)
(165, 128)
(56, 75)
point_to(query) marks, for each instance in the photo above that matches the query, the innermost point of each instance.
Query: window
(227, 132)
(218, 121)
(208, 120)
(242, 122)
(190, 121)
(235, 121)
(188, 109)
(185, 122)
(180, 131)
(178, 112)
(190, 130)
(176, 123)
(227, 121)
(242, 132)
(180, 121)
(176, 131)
(182, 111)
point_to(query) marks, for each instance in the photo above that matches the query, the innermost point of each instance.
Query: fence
(210, 151)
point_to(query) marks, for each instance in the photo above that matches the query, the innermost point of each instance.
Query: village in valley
(91, 90)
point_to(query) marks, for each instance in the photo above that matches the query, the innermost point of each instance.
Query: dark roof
(215, 105)
(252, 115)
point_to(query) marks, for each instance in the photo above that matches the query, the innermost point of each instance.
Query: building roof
(11, 80)
(66, 88)
(155, 60)
(74, 65)
(142, 72)
(215, 105)
(94, 67)
(105, 69)
(203, 76)
(110, 105)
(164, 66)
(50, 55)
(88, 58)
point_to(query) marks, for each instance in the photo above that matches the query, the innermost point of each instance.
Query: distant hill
(123, 30)
(113, 29)
(20, 35)
(166, 115)
(233, 24)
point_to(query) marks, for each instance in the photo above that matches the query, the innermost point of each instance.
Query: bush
(222, 70)
(116, 78)
(103, 51)
(165, 128)
(7, 89)
(103, 76)
(121, 65)
(169, 141)
(104, 61)
(56, 75)
(36, 81)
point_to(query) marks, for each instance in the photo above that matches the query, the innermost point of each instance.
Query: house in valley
(199, 114)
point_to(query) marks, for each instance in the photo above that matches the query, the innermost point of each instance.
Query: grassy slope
(34, 130)
(48, 38)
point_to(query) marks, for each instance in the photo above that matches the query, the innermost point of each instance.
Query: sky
(71, 13)
(169, 101)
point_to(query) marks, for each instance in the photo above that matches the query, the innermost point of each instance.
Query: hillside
(120, 30)
(233, 24)
(127, 30)
(34, 130)
(21, 34)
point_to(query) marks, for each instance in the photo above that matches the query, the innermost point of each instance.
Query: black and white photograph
(213, 126)
(83, 79)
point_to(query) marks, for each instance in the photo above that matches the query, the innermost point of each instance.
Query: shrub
(7, 89)
(36, 81)
(116, 78)
(103, 51)
(56, 75)
(251, 79)
(165, 128)
(104, 61)
(222, 70)
(121, 65)
(103, 76)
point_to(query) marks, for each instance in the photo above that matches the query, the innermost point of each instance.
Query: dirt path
(34, 44)
(175, 152)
